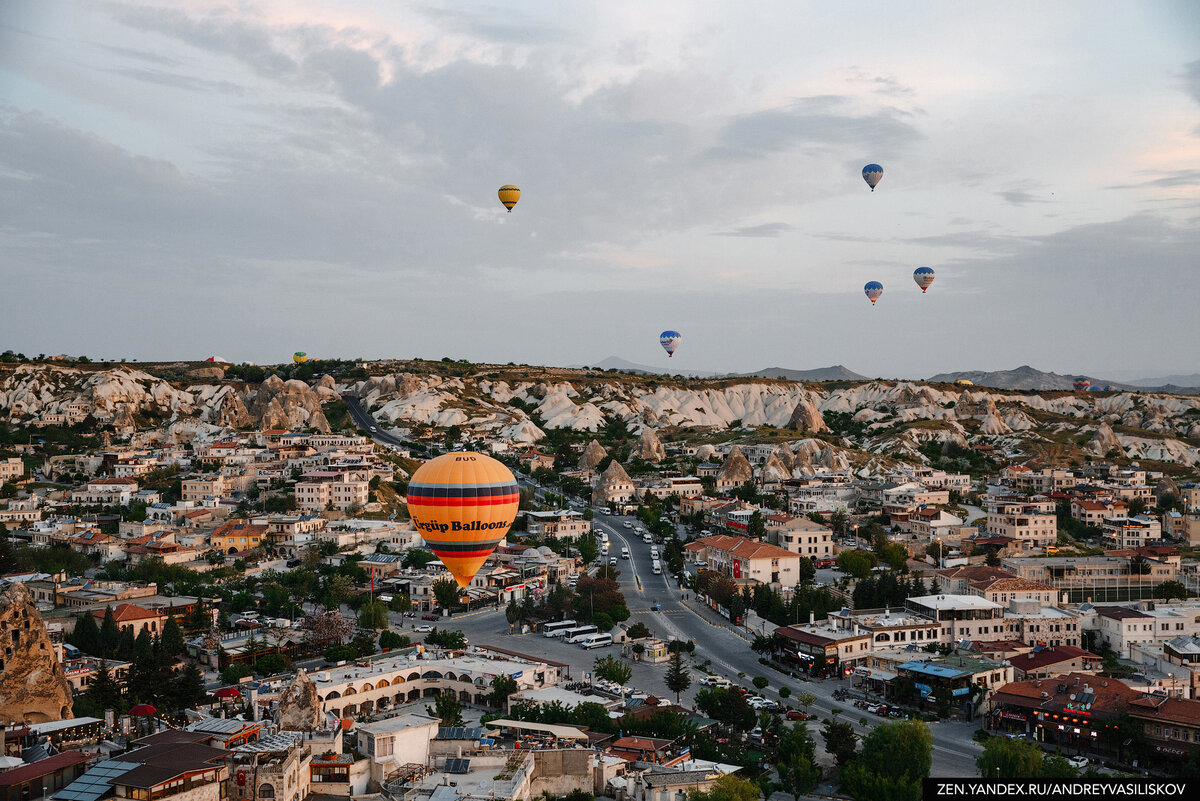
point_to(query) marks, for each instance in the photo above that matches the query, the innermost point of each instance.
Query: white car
(424, 627)
(715, 681)
(613, 561)
(1079, 762)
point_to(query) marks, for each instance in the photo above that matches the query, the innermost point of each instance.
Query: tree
(1137, 506)
(86, 636)
(638, 631)
(589, 551)
(364, 644)
(171, 643)
(329, 627)
(726, 706)
(188, 687)
(756, 527)
(271, 664)
(110, 634)
(856, 563)
(1171, 589)
(447, 708)
(1005, 758)
(727, 788)
(373, 615)
(502, 687)
(796, 763)
(612, 669)
(805, 700)
(450, 640)
(446, 592)
(678, 679)
(808, 571)
(760, 682)
(104, 691)
(389, 639)
(235, 673)
(840, 741)
(895, 758)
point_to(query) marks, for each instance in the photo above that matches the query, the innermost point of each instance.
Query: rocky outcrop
(593, 455)
(807, 418)
(648, 448)
(1166, 486)
(614, 485)
(299, 706)
(232, 412)
(34, 688)
(736, 470)
(288, 405)
(1104, 441)
(774, 471)
(326, 389)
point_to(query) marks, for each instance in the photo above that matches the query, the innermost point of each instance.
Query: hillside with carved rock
(859, 424)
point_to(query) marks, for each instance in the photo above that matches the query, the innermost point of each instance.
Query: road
(726, 650)
(364, 421)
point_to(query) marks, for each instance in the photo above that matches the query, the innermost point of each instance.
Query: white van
(646, 538)
(627, 524)
(595, 641)
(656, 567)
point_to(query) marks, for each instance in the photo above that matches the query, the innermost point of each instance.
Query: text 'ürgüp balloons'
(463, 505)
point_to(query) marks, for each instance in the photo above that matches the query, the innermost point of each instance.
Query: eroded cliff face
(33, 688)
(299, 706)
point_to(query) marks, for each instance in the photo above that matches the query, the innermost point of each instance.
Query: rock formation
(299, 705)
(1166, 486)
(1104, 441)
(614, 485)
(774, 470)
(736, 470)
(649, 448)
(806, 417)
(34, 688)
(232, 413)
(326, 389)
(288, 404)
(593, 455)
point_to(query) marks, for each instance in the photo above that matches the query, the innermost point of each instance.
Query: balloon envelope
(1082, 384)
(670, 341)
(872, 174)
(873, 290)
(463, 504)
(299, 357)
(924, 277)
(509, 195)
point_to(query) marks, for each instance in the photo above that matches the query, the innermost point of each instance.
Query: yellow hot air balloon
(509, 195)
(299, 357)
(463, 504)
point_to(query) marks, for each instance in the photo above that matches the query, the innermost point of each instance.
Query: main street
(658, 601)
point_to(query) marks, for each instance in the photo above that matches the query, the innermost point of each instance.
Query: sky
(245, 179)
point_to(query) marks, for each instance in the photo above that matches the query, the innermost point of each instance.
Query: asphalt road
(364, 421)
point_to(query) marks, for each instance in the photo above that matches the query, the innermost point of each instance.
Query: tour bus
(579, 633)
(558, 628)
(595, 641)
(657, 567)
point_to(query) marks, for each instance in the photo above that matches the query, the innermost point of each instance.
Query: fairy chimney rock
(299, 705)
(649, 448)
(736, 470)
(35, 689)
(593, 455)
(614, 486)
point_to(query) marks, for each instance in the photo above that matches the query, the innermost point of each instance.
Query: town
(213, 585)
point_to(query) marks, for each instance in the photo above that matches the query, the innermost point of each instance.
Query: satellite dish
(1072, 696)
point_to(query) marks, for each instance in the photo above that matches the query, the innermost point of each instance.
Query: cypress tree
(86, 636)
(172, 641)
(110, 634)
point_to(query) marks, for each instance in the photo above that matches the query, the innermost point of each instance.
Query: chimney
(812, 617)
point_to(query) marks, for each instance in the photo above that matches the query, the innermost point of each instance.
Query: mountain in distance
(1187, 380)
(617, 363)
(835, 373)
(1023, 377)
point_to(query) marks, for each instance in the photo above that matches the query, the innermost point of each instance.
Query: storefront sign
(1012, 716)
(961, 691)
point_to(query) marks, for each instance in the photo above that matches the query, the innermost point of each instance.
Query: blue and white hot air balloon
(872, 174)
(670, 341)
(873, 290)
(924, 277)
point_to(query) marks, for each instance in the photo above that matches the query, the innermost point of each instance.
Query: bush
(390, 639)
(270, 664)
(340, 653)
(760, 682)
(234, 673)
(784, 692)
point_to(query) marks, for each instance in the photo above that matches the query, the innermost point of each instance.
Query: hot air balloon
(509, 195)
(924, 277)
(299, 357)
(872, 174)
(873, 289)
(1081, 384)
(670, 341)
(463, 503)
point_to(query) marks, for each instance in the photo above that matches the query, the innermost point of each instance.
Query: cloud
(766, 230)
(1171, 178)
(1191, 79)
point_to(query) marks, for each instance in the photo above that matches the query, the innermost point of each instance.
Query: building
(237, 536)
(747, 560)
(1094, 513)
(321, 489)
(1130, 532)
(382, 565)
(11, 469)
(927, 523)
(1002, 589)
(199, 489)
(277, 766)
(1042, 663)
(823, 650)
(136, 617)
(392, 743)
(42, 778)
(560, 523)
(962, 617)
(1032, 522)
(1072, 710)
(800, 535)
(1171, 725)
(1183, 526)
(185, 771)
(1120, 627)
(105, 492)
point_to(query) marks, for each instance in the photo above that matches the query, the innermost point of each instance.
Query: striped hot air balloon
(924, 277)
(463, 504)
(873, 290)
(509, 195)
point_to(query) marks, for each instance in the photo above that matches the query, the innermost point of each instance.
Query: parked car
(796, 714)
(756, 733)
(715, 681)
(424, 627)
(1079, 761)
(429, 617)
(882, 711)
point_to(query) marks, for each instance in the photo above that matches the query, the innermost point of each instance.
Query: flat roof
(399, 723)
(946, 601)
(562, 732)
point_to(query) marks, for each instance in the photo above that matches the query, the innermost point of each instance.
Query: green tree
(446, 592)
(798, 771)
(447, 708)
(86, 636)
(235, 673)
(110, 634)
(271, 664)
(502, 687)
(727, 788)
(678, 678)
(805, 700)
(895, 758)
(808, 571)
(856, 563)
(756, 527)
(389, 639)
(760, 682)
(450, 640)
(373, 615)
(726, 706)
(188, 687)
(612, 669)
(104, 691)
(1171, 589)
(1056, 767)
(840, 741)
(1006, 758)
(364, 644)
(171, 643)
(588, 549)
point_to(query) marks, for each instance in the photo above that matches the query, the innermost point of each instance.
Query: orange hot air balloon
(463, 504)
(509, 195)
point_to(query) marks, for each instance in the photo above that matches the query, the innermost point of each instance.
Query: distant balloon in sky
(670, 341)
(924, 277)
(873, 290)
(872, 174)
(463, 505)
(509, 195)
(299, 357)
(1081, 384)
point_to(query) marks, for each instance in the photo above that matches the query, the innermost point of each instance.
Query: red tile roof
(1050, 656)
(43, 767)
(127, 613)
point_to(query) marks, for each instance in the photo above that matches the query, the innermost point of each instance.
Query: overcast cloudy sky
(181, 179)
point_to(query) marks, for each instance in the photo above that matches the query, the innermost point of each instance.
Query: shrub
(760, 682)
(784, 692)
